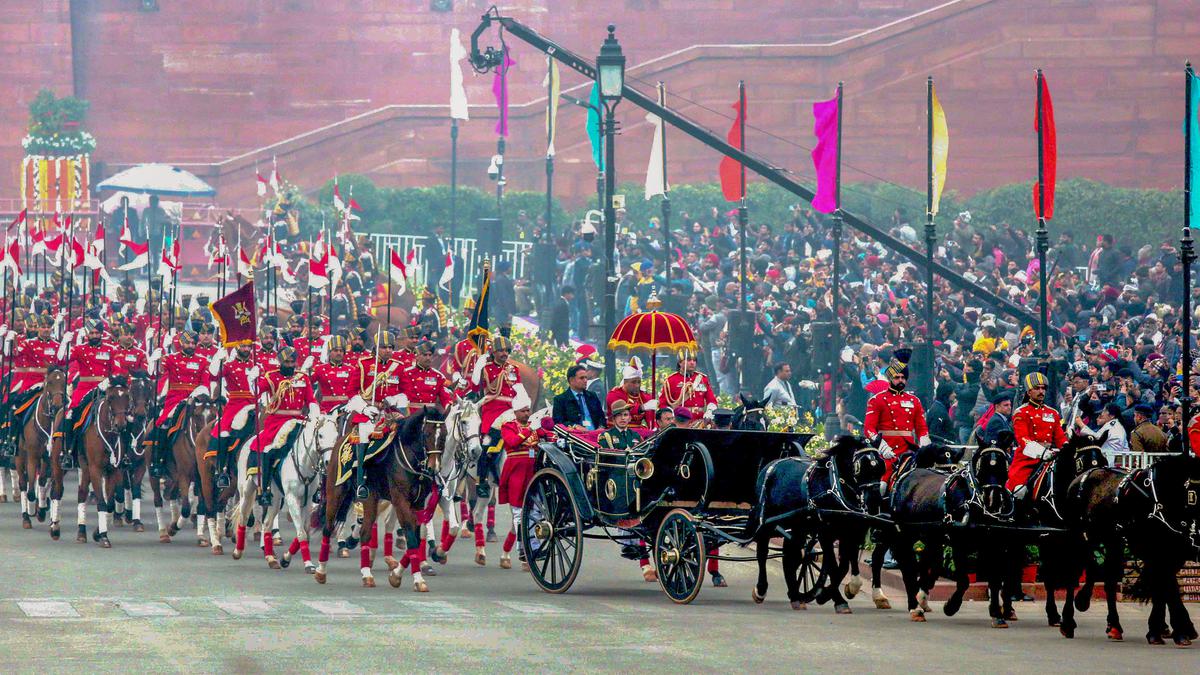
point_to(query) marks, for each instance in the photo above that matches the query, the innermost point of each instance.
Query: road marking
(335, 607)
(531, 607)
(47, 609)
(440, 607)
(147, 609)
(244, 607)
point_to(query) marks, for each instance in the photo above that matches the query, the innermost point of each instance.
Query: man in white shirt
(1110, 421)
(778, 391)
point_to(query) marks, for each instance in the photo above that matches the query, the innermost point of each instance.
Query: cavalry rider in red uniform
(520, 447)
(404, 353)
(462, 359)
(31, 356)
(88, 369)
(130, 358)
(1038, 434)
(642, 404)
(337, 380)
(186, 377)
(236, 379)
(689, 389)
(358, 352)
(266, 355)
(498, 381)
(287, 399)
(206, 344)
(422, 385)
(379, 377)
(895, 417)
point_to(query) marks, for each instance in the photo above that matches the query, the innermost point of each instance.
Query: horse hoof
(25, 523)
(217, 550)
(420, 587)
(466, 534)
(104, 542)
(923, 601)
(1155, 640)
(491, 536)
(319, 576)
(505, 562)
(842, 608)
(164, 538)
(799, 606)
(883, 603)
(41, 515)
(285, 561)
(1067, 632)
(1010, 614)
(278, 540)
(758, 599)
(274, 564)
(718, 581)
(368, 582)
(916, 615)
(138, 526)
(237, 554)
(998, 622)
(391, 562)
(952, 605)
(481, 558)
(1115, 634)
(524, 566)
(173, 530)
(1083, 601)
(426, 568)
(343, 553)
(55, 534)
(395, 579)
(1053, 621)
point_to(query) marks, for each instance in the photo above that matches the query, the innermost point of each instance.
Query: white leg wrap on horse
(103, 527)
(25, 504)
(417, 578)
(40, 490)
(201, 524)
(81, 513)
(54, 511)
(366, 572)
(136, 509)
(160, 516)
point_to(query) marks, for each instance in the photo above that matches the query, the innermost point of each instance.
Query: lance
(389, 286)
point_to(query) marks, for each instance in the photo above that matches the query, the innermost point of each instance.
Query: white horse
(299, 478)
(317, 436)
(463, 447)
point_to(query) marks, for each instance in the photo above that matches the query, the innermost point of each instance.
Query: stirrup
(222, 480)
(264, 497)
(361, 492)
(66, 461)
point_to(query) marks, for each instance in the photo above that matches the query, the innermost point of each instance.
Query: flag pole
(743, 214)
(666, 200)
(930, 236)
(836, 285)
(550, 122)
(1187, 255)
(453, 178)
(1042, 235)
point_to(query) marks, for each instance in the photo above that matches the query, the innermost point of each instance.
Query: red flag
(731, 169)
(337, 197)
(1048, 151)
(244, 267)
(412, 255)
(235, 315)
(77, 253)
(354, 205)
(318, 264)
(11, 257)
(19, 219)
(260, 185)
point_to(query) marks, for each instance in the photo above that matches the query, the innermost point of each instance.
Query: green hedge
(1081, 206)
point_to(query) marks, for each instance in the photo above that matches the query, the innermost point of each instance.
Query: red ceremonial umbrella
(653, 330)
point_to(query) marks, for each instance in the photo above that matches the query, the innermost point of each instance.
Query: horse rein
(1156, 510)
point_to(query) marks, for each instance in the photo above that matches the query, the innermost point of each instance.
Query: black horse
(750, 415)
(812, 500)
(969, 510)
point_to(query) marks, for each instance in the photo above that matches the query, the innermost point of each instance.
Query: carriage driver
(1038, 434)
(895, 417)
(689, 389)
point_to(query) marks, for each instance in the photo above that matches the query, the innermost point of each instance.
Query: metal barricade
(516, 252)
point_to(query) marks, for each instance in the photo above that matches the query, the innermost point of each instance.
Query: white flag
(448, 273)
(458, 94)
(656, 183)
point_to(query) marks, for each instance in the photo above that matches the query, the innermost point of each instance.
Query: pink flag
(825, 155)
(500, 89)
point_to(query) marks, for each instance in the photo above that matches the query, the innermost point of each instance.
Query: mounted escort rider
(498, 381)
(895, 418)
(287, 401)
(236, 378)
(186, 378)
(1038, 433)
(89, 366)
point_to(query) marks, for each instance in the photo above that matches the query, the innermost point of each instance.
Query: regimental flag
(448, 273)
(235, 314)
(500, 90)
(1047, 151)
(940, 148)
(93, 255)
(552, 90)
(335, 267)
(10, 257)
(478, 329)
(78, 254)
(825, 153)
(244, 267)
(260, 184)
(398, 273)
(733, 186)
(338, 204)
(458, 93)
(1193, 120)
(318, 264)
(593, 127)
(19, 219)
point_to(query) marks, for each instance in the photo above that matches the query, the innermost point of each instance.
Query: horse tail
(343, 509)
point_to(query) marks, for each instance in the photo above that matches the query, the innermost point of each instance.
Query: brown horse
(103, 446)
(402, 474)
(180, 466)
(212, 502)
(32, 457)
(129, 492)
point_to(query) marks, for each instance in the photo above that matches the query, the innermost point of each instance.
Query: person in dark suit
(578, 407)
(558, 318)
(999, 426)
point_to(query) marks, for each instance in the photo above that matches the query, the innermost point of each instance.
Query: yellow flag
(939, 151)
(551, 84)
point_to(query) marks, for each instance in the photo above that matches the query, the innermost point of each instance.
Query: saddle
(275, 457)
(347, 463)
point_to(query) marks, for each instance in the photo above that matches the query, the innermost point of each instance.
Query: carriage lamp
(611, 67)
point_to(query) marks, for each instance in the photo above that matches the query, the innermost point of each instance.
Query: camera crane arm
(489, 58)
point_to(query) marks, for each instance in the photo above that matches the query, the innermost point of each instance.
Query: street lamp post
(610, 72)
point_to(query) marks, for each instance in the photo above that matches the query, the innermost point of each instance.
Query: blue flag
(1193, 119)
(593, 127)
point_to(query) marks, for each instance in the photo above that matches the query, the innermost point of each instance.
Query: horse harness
(1142, 480)
(969, 477)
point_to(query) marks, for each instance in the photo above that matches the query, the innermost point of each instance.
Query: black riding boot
(221, 468)
(66, 455)
(152, 445)
(360, 490)
(264, 469)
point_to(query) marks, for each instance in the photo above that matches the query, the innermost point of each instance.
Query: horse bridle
(316, 441)
(50, 410)
(463, 440)
(1187, 533)
(423, 469)
(104, 413)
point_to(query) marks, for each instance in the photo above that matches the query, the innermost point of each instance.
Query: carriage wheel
(551, 532)
(679, 554)
(811, 573)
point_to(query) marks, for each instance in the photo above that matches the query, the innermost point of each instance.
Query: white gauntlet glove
(886, 450)
(399, 401)
(1035, 450)
(650, 405)
(477, 371)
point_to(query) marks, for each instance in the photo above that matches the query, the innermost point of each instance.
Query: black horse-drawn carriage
(682, 491)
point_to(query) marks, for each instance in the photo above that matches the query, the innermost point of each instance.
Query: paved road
(167, 608)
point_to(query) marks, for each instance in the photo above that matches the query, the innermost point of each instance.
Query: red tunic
(266, 360)
(31, 357)
(386, 386)
(88, 366)
(695, 393)
(498, 386)
(899, 418)
(235, 375)
(425, 386)
(520, 444)
(129, 360)
(1030, 422)
(291, 404)
(182, 374)
(337, 383)
(462, 361)
(1194, 436)
(642, 419)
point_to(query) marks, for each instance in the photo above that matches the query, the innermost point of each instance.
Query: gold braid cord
(277, 399)
(685, 392)
(369, 392)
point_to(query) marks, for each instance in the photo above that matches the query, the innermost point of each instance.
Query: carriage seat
(592, 438)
